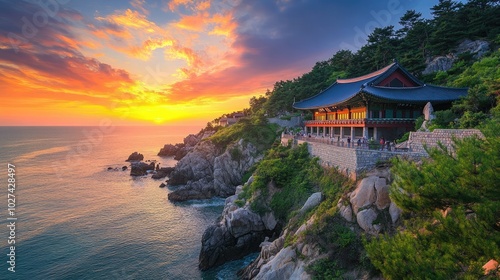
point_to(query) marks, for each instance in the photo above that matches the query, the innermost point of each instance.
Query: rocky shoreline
(205, 170)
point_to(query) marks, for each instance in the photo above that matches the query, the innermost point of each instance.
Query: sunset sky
(144, 62)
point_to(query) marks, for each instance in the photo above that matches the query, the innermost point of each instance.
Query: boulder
(364, 195)
(365, 220)
(243, 221)
(313, 201)
(269, 221)
(395, 212)
(345, 211)
(383, 200)
(135, 156)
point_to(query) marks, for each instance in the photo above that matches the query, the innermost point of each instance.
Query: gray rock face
(440, 63)
(206, 171)
(477, 48)
(239, 232)
(197, 165)
(230, 167)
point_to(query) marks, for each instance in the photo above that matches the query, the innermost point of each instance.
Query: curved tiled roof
(346, 90)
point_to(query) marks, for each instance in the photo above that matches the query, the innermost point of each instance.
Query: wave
(34, 154)
(199, 203)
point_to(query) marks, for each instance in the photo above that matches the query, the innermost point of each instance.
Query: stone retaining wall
(354, 161)
(418, 140)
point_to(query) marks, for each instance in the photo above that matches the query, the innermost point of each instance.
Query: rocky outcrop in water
(135, 156)
(238, 233)
(162, 172)
(141, 168)
(208, 171)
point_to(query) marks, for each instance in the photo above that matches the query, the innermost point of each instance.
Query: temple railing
(359, 121)
(366, 145)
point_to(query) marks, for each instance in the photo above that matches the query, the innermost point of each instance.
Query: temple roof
(369, 87)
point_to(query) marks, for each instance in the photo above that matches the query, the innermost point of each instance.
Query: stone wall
(351, 161)
(418, 140)
(332, 156)
(354, 161)
(293, 122)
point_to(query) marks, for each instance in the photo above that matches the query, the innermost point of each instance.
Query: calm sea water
(77, 220)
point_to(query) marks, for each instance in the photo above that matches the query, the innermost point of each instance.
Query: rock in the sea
(162, 172)
(135, 156)
(169, 150)
(110, 168)
(124, 168)
(201, 189)
(162, 185)
(238, 233)
(219, 245)
(141, 168)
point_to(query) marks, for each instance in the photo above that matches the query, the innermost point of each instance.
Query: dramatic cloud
(160, 60)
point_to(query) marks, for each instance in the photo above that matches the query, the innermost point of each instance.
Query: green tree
(453, 204)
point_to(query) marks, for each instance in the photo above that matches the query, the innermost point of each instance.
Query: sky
(162, 62)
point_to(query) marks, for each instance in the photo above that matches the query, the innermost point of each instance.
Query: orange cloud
(130, 32)
(174, 4)
(193, 22)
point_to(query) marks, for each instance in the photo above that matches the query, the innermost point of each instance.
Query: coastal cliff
(209, 171)
(216, 164)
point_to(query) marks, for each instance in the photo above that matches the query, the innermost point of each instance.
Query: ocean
(78, 220)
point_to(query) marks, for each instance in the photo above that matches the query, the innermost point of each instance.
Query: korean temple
(384, 103)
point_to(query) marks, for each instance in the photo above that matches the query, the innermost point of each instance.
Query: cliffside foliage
(483, 79)
(452, 209)
(254, 129)
(289, 173)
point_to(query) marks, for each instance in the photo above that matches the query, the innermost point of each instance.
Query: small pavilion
(384, 103)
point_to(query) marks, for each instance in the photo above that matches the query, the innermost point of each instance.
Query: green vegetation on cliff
(290, 173)
(253, 129)
(452, 209)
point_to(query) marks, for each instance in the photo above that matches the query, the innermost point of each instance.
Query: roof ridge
(367, 76)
